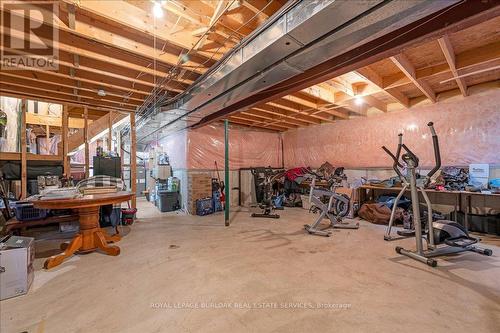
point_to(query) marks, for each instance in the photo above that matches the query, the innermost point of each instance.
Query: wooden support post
(133, 160)
(47, 135)
(24, 180)
(110, 130)
(65, 135)
(86, 140)
(226, 172)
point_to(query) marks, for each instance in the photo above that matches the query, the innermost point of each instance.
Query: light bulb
(157, 10)
(358, 100)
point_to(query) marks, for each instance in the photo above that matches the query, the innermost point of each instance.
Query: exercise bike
(340, 204)
(264, 179)
(442, 237)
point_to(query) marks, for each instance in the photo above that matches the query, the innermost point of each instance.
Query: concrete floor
(259, 275)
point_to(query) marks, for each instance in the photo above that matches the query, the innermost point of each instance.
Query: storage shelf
(29, 157)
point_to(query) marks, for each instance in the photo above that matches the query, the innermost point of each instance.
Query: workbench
(367, 193)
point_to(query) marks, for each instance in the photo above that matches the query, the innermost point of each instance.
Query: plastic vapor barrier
(246, 148)
(175, 147)
(468, 129)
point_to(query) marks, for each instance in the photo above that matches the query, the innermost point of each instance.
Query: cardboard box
(17, 255)
(199, 186)
(479, 174)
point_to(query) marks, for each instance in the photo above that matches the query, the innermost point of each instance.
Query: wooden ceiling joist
(465, 61)
(266, 120)
(377, 80)
(247, 122)
(92, 31)
(447, 48)
(294, 120)
(408, 69)
(48, 99)
(39, 80)
(134, 22)
(291, 122)
(281, 109)
(266, 7)
(26, 89)
(89, 55)
(92, 72)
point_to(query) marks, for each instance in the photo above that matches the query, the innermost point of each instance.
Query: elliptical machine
(340, 210)
(264, 179)
(405, 182)
(453, 237)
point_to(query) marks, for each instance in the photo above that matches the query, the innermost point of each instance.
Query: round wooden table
(91, 237)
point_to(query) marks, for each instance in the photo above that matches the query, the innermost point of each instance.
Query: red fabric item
(292, 174)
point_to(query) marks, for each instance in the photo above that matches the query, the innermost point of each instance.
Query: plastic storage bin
(204, 206)
(25, 211)
(167, 201)
(216, 203)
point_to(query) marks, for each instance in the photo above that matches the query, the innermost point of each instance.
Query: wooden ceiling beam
(322, 92)
(294, 120)
(245, 121)
(373, 77)
(278, 104)
(402, 62)
(320, 106)
(90, 30)
(21, 85)
(38, 92)
(94, 81)
(77, 67)
(42, 80)
(325, 93)
(86, 50)
(57, 100)
(291, 115)
(449, 54)
(301, 101)
(266, 7)
(375, 102)
(337, 111)
(465, 61)
(266, 119)
(291, 122)
(125, 14)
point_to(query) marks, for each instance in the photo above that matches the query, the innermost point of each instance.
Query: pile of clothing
(326, 173)
(380, 211)
(455, 179)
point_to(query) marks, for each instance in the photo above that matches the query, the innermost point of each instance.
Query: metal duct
(305, 35)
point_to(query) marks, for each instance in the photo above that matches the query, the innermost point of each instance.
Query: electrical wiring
(319, 74)
(145, 109)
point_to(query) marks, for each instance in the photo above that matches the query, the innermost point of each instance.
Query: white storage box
(305, 201)
(17, 255)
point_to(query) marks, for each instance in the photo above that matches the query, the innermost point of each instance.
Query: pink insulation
(246, 148)
(468, 130)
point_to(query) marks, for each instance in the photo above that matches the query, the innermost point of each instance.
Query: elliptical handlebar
(396, 163)
(437, 153)
(409, 154)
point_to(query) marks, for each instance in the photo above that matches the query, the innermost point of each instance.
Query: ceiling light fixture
(101, 92)
(157, 10)
(358, 100)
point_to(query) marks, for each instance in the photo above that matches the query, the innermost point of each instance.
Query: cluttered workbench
(368, 193)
